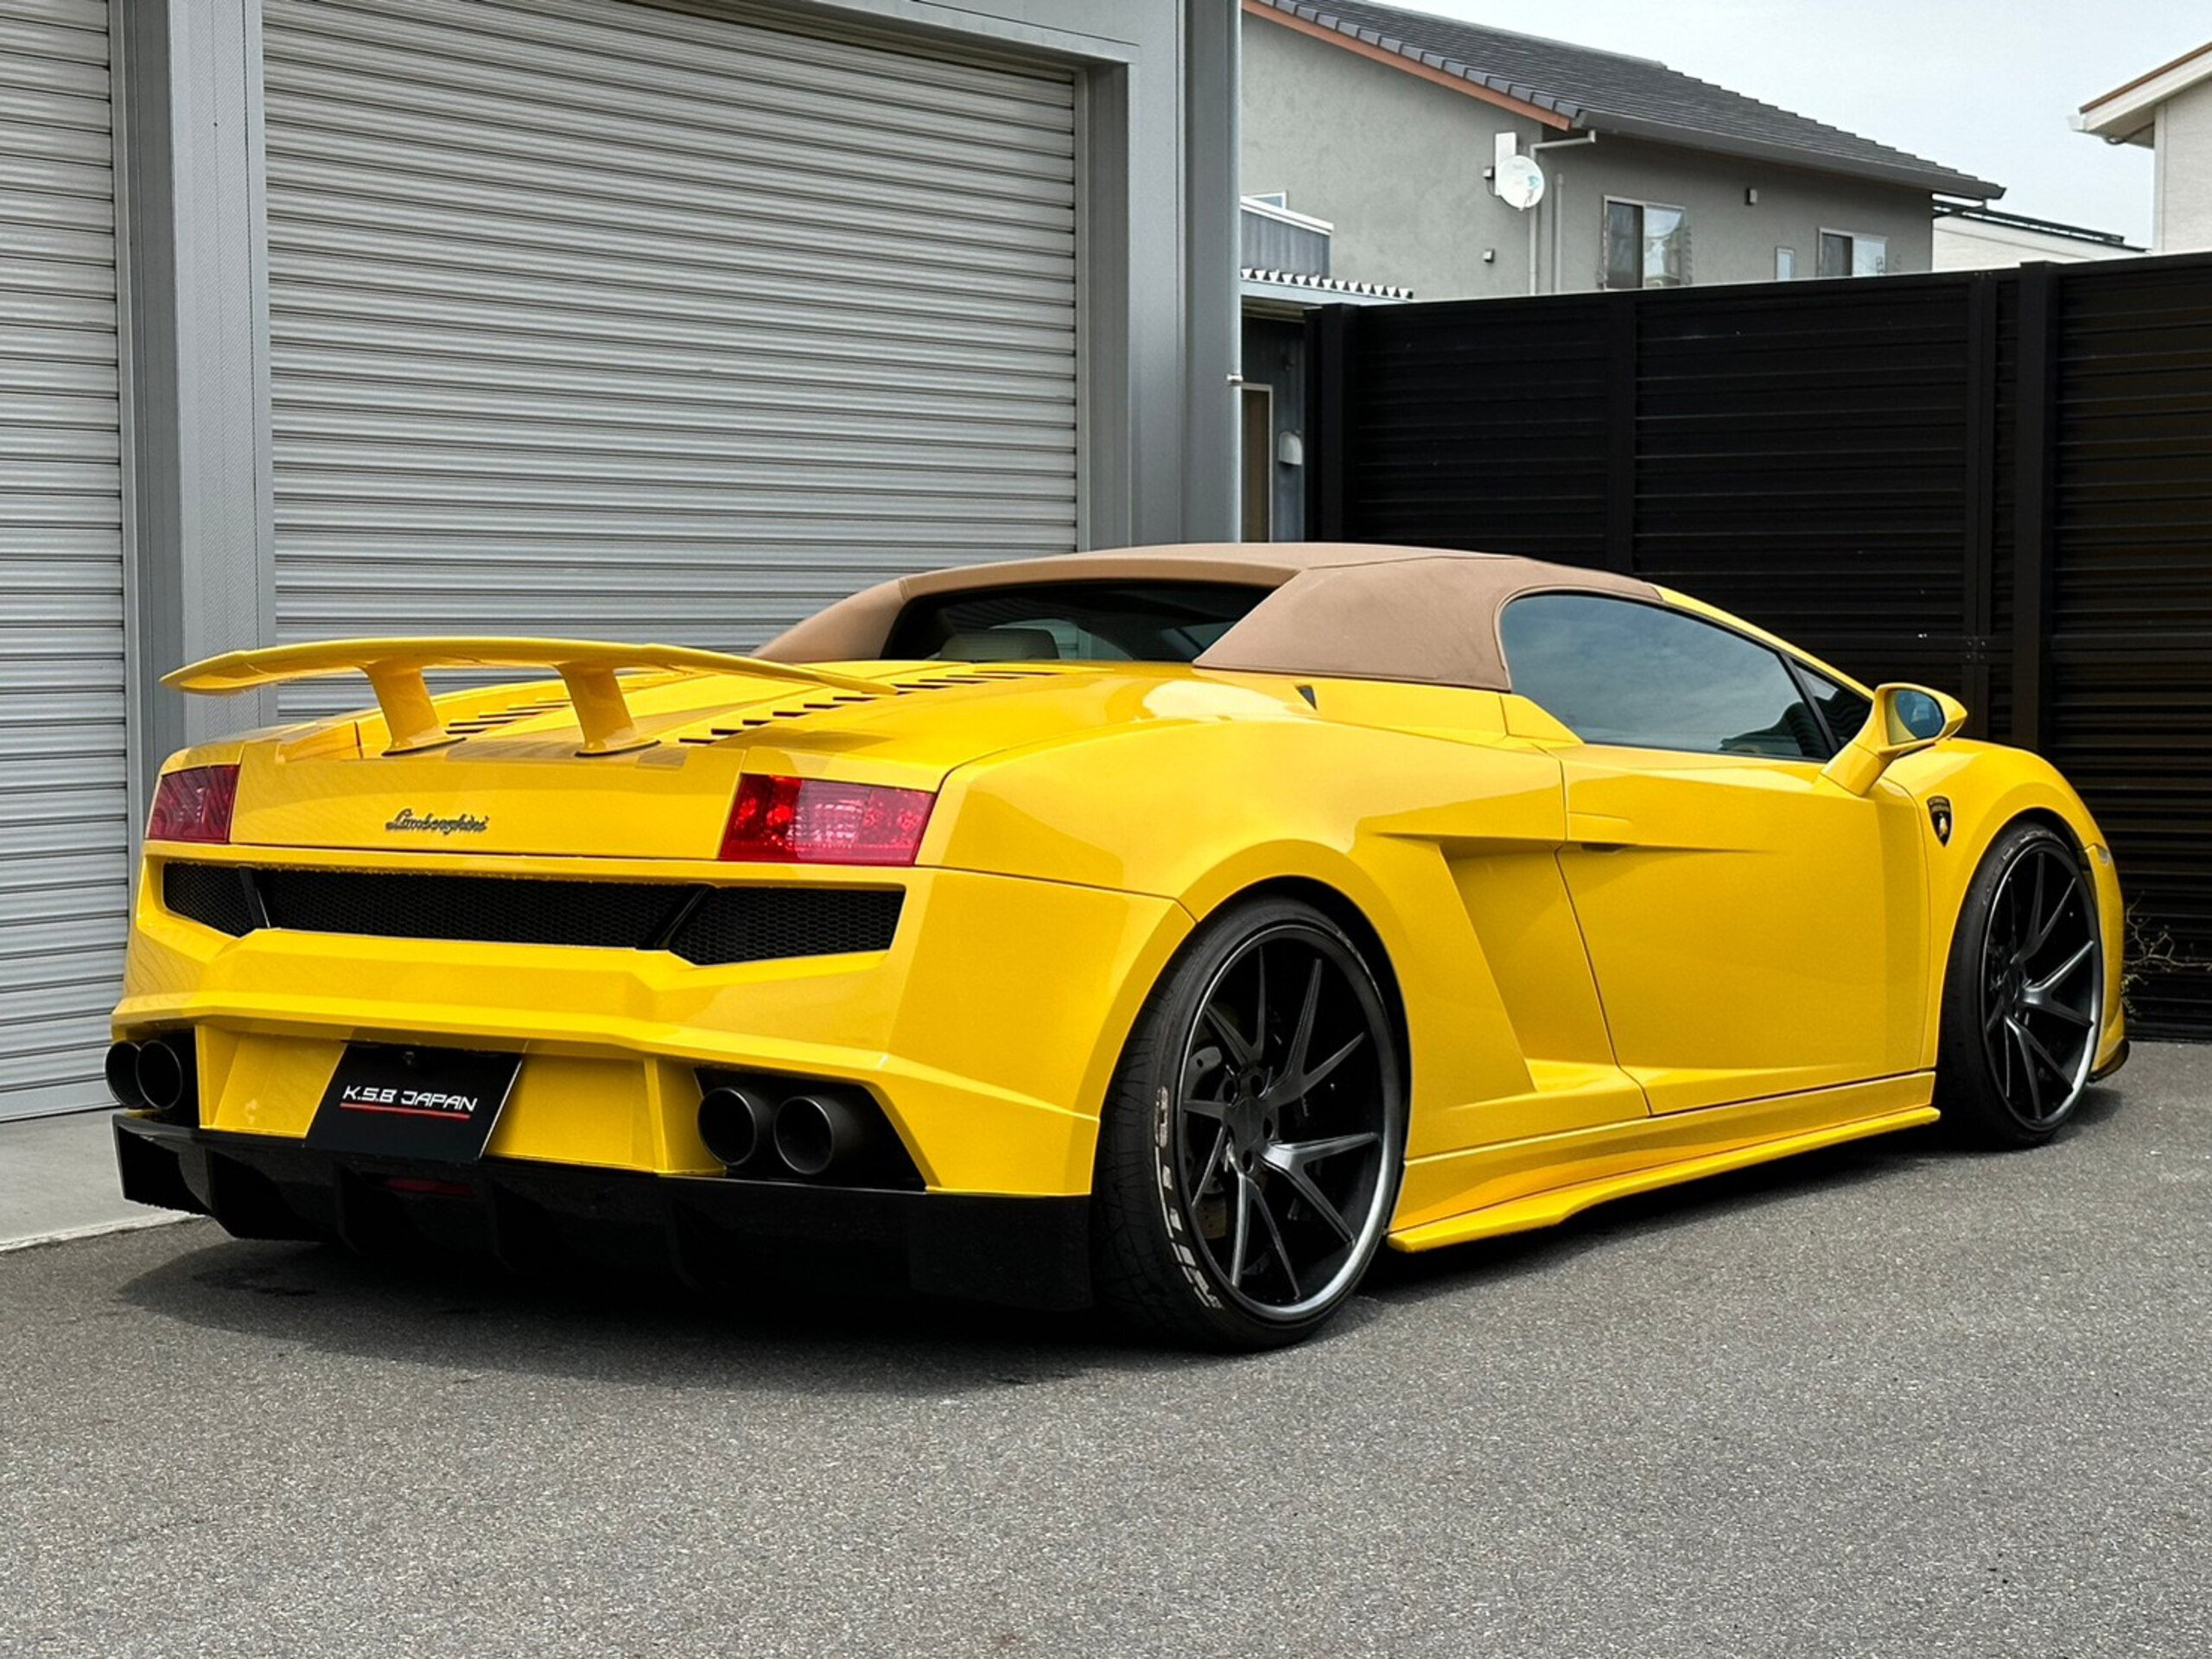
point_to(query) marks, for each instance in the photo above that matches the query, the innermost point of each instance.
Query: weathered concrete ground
(1889, 1400)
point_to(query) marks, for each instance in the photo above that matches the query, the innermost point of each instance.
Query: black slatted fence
(1995, 482)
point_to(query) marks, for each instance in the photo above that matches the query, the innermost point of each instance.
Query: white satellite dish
(1519, 181)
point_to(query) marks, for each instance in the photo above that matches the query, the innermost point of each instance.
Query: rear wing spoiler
(588, 667)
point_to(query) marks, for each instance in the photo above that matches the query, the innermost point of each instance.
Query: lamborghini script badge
(1939, 814)
(465, 823)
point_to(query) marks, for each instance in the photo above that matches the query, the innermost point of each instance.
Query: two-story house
(1461, 161)
(2169, 111)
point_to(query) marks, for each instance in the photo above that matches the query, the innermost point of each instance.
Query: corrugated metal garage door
(593, 318)
(64, 832)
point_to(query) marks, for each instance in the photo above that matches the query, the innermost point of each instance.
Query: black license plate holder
(395, 1099)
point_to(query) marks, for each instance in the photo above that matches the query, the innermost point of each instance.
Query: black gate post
(1328, 421)
(1623, 312)
(1980, 528)
(2031, 521)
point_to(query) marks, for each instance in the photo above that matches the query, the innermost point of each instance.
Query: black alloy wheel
(1252, 1146)
(2023, 1006)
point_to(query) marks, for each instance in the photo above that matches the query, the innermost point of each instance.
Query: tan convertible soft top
(1339, 609)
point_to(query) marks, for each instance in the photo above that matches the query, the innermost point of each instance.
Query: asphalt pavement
(1890, 1399)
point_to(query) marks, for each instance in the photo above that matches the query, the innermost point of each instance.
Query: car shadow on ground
(475, 1318)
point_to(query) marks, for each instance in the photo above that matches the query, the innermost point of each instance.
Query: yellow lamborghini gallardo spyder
(1169, 929)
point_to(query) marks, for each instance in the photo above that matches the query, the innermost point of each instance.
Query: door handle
(1599, 832)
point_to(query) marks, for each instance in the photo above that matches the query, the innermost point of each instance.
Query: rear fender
(1204, 811)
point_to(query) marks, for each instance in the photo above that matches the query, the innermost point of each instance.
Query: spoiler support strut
(588, 668)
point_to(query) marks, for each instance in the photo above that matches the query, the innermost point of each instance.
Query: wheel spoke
(1233, 1040)
(1260, 1006)
(1215, 1110)
(1302, 1153)
(2027, 1063)
(2060, 1011)
(2048, 924)
(1275, 1236)
(1298, 1084)
(2036, 1048)
(1302, 1040)
(2051, 980)
(1240, 1231)
(1283, 1160)
(1319, 1074)
(1207, 1176)
(2013, 931)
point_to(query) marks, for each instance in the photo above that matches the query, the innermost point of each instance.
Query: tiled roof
(1610, 92)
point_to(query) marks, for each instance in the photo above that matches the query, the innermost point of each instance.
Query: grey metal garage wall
(587, 317)
(64, 829)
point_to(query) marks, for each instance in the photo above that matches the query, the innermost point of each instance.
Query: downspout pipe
(1552, 208)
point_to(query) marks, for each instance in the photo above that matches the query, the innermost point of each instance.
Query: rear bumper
(711, 1232)
(987, 1031)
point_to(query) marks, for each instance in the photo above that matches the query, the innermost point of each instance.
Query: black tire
(2023, 994)
(1276, 1155)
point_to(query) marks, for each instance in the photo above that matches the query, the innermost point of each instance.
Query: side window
(1844, 709)
(1614, 670)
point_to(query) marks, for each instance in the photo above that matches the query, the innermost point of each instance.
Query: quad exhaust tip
(122, 1070)
(748, 1130)
(737, 1124)
(816, 1133)
(165, 1073)
(159, 1075)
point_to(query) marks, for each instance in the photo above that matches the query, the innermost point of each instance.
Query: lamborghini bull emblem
(1939, 815)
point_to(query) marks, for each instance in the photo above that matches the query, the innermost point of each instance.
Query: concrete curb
(94, 1229)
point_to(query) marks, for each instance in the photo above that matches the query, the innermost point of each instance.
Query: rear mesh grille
(219, 896)
(762, 923)
(708, 926)
(496, 910)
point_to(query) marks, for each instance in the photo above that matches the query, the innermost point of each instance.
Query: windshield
(1071, 621)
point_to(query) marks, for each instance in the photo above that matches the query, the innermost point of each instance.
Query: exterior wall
(1971, 245)
(2182, 211)
(1396, 163)
(1731, 240)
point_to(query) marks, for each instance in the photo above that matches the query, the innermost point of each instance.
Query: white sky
(1981, 86)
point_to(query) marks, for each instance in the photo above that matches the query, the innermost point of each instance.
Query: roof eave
(1438, 71)
(2121, 115)
(1930, 178)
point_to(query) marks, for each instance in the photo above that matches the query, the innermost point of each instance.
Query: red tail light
(807, 820)
(194, 805)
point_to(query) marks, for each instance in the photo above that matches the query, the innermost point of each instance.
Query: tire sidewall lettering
(1171, 1208)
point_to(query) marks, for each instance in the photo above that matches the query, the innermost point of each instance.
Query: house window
(1646, 245)
(1785, 264)
(1846, 253)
